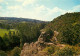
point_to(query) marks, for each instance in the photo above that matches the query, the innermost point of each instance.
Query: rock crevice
(35, 49)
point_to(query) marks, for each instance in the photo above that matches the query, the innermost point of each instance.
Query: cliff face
(35, 49)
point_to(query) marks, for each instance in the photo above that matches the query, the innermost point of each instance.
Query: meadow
(3, 31)
(2, 21)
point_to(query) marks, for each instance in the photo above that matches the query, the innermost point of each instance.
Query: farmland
(3, 31)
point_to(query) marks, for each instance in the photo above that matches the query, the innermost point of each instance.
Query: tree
(71, 35)
(68, 26)
(2, 53)
(9, 34)
(6, 40)
(16, 51)
(48, 34)
(2, 44)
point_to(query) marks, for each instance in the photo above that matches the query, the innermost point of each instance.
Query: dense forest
(19, 32)
(68, 39)
(16, 34)
(68, 26)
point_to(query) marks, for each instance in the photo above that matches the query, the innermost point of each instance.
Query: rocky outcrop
(54, 39)
(35, 49)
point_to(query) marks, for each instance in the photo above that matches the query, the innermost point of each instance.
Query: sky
(45, 10)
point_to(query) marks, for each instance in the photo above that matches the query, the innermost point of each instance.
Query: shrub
(67, 51)
(78, 45)
(51, 49)
(49, 34)
(2, 53)
(16, 51)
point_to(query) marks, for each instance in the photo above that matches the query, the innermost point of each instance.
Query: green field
(2, 21)
(3, 31)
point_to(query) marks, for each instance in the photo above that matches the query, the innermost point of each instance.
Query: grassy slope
(3, 31)
(1, 21)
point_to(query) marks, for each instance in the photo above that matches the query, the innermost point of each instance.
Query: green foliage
(68, 51)
(2, 53)
(48, 34)
(68, 26)
(51, 49)
(4, 26)
(10, 41)
(17, 33)
(26, 32)
(29, 32)
(78, 45)
(2, 44)
(3, 31)
(16, 51)
(71, 35)
(49, 31)
(6, 40)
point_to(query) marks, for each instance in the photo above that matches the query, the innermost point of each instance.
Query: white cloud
(27, 2)
(39, 12)
(7, 3)
(19, 0)
(56, 9)
(76, 8)
(41, 9)
(0, 7)
(46, 13)
(14, 7)
(1, 0)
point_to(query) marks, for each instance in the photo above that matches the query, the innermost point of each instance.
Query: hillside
(15, 20)
(52, 48)
(68, 26)
(60, 37)
(14, 32)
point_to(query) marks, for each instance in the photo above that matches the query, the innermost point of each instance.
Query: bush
(78, 45)
(49, 34)
(68, 51)
(16, 51)
(2, 53)
(51, 49)
(68, 26)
